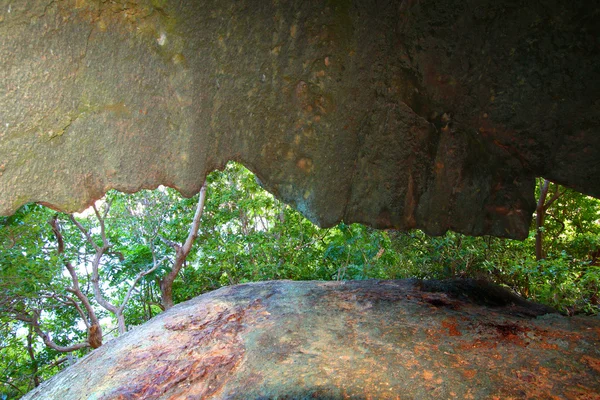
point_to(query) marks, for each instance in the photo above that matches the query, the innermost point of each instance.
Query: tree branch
(173, 245)
(96, 283)
(12, 385)
(181, 252)
(57, 362)
(562, 224)
(85, 232)
(81, 313)
(102, 224)
(543, 194)
(33, 320)
(74, 279)
(135, 282)
(555, 196)
(193, 234)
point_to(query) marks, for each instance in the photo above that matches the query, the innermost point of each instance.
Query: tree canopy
(69, 282)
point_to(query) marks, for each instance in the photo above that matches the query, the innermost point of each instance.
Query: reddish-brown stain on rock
(362, 339)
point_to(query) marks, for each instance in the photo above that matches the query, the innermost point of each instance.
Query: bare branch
(81, 313)
(555, 196)
(100, 251)
(108, 204)
(57, 362)
(154, 262)
(173, 245)
(133, 285)
(54, 224)
(181, 252)
(193, 234)
(102, 225)
(74, 279)
(96, 283)
(12, 385)
(85, 232)
(33, 320)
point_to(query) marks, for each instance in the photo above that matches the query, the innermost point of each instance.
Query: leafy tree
(136, 255)
(543, 204)
(102, 248)
(148, 237)
(35, 298)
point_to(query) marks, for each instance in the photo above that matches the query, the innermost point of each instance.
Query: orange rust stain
(560, 334)
(593, 362)
(478, 344)
(304, 164)
(579, 393)
(419, 349)
(469, 373)
(450, 324)
(548, 346)
(427, 375)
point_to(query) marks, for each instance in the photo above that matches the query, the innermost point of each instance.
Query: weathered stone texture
(430, 114)
(359, 340)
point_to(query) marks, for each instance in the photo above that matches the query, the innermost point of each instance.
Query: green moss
(159, 3)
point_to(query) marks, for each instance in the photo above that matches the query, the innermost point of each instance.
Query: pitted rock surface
(337, 340)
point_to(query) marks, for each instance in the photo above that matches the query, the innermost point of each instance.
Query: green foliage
(247, 235)
(31, 279)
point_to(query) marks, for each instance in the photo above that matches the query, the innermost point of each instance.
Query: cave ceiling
(398, 114)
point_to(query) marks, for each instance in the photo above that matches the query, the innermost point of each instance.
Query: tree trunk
(101, 250)
(95, 335)
(181, 253)
(539, 236)
(540, 216)
(121, 323)
(167, 295)
(542, 207)
(34, 362)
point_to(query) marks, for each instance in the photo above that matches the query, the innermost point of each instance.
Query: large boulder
(360, 340)
(399, 114)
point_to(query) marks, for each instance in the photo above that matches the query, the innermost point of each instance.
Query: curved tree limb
(75, 289)
(181, 253)
(33, 320)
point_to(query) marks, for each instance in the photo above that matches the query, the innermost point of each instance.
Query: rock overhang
(431, 115)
